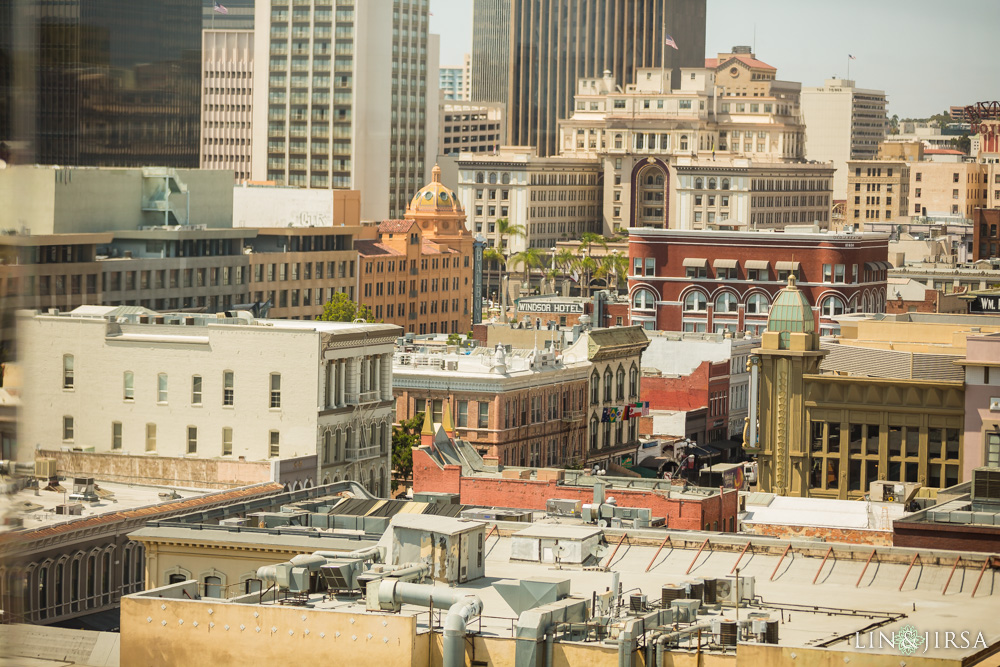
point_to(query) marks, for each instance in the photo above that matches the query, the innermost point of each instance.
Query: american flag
(219, 8)
(669, 41)
(851, 57)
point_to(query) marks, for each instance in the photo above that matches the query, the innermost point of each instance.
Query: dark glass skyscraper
(554, 43)
(101, 82)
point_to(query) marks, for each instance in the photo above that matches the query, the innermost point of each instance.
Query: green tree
(342, 309)
(527, 259)
(962, 143)
(507, 233)
(405, 437)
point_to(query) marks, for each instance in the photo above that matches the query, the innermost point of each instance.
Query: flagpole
(663, 48)
(848, 67)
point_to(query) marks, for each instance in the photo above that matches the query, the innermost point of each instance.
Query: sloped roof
(394, 226)
(715, 63)
(372, 248)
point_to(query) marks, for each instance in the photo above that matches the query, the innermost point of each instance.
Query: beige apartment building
(948, 189)
(227, 100)
(553, 198)
(470, 127)
(877, 191)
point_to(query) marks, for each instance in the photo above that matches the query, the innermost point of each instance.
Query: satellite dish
(600, 550)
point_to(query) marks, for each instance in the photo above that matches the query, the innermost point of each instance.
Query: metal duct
(662, 640)
(461, 608)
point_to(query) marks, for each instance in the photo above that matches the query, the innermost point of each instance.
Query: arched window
(213, 586)
(684, 142)
(505, 178)
(620, 383)
(699, 184)
(643, 299)
(757, 304)
(633, 382)
(711, 184)
(725, 303)
(480, 177)
(725, 184)
(327, 446)
(493, 178)
(618, 141)
(607, 385)
(832, 306)
(695, 301)
(607, 434)
(595, 388)
(594, 431)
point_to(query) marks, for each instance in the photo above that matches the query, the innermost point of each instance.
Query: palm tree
(496, 257)
(528, 259)
(507, 231)
(587, 266)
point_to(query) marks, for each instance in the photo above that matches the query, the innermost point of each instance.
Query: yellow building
(877, 191)
(948, 189)
(418, 272)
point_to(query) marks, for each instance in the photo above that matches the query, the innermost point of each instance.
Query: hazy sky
(925, 54)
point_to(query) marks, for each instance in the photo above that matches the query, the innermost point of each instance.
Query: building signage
(985, 304)
(556, 307)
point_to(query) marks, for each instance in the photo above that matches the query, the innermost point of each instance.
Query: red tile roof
(373, 248)
(714, 63)
(942, 151)
(394, 226)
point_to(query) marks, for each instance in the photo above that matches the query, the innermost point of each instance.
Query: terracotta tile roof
(373, 248)
(714, 63)
(182, 506)
(394, 226)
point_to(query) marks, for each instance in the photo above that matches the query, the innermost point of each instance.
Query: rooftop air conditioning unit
(451, 365)
(637, 603)
(986, 485)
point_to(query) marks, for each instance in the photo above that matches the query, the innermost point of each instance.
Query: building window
(643, 299)
(195, 390)
(463, 414)
(67, 428)
(608, 396)
(227, 441)
(274, 442)
(116, 435)
(650, 266)
(595, 388)
(725, 303)
(757, 304)
(67, 371)
(192, 447)
(161, 388)
(228, 386)
(695, 301)
(832, 306)
(275, 390)
(484, 414)
(150, 437)
(633, 382)
(128, 386)
(620, 382)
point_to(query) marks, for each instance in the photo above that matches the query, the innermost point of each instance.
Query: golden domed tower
(440, 215)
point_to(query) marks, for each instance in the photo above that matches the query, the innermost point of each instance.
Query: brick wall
(709, 513)
(844, 535)
(688, 392)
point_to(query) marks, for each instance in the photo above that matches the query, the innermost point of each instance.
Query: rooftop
(476, 363)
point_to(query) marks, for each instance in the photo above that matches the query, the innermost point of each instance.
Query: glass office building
(101, 82)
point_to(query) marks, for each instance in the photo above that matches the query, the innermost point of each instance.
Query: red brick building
(715, 281)
(985, 233)
(704, 395)
(525, 488)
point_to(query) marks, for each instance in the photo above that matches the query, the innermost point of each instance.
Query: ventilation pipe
(661, 640)
(461, 608)
(375, 553)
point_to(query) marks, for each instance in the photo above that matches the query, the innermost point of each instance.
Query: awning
(725, 263)
(756, 264)
(786, 266)
(696, 262)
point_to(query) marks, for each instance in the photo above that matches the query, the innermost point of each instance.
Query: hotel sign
(555, 307)
(985, 305)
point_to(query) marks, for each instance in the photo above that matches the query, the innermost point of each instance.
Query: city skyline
(956, 77)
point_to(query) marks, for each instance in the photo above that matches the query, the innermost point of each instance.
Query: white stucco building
(132, 382)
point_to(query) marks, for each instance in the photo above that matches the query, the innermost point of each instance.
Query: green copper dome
(791, 313)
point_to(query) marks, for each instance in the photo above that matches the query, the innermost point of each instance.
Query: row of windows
(191, 441)
(619, 385)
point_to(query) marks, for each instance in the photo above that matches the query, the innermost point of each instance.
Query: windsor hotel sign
(555, 307)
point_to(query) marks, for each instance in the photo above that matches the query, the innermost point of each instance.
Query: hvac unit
(45, 468)
(696, 589)
(637, 603)
(710, 592)
(728, 632)
(670, 593)
(771, 632)
(451, 365)
(685, 610)
(725, 590)
(986, 485)
(342, 575)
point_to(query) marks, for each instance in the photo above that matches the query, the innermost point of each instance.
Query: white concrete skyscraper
(342, 102)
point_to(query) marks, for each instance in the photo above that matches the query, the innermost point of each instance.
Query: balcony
(362, 397)
(360, 453)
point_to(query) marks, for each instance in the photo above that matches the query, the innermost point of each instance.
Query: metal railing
(362, 397)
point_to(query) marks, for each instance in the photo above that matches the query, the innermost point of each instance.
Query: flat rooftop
(476, 363)
(37, 510)
(820, 603)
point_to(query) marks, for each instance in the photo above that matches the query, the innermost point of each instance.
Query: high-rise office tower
(554, 43)
(490, 50)
(227, 101)
(100, 82)
(340, 104)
